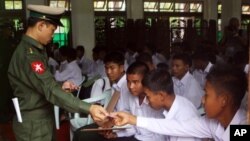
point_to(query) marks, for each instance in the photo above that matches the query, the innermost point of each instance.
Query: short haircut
(138, 68)
(224, 77)
(32, 21)
(200, 55)
(185, 58)
(159, 80)
(144, 57)
(114, 57)
(80, 48)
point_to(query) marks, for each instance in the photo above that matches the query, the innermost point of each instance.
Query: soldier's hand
(98, 113)
(123, 118)
(69, 86)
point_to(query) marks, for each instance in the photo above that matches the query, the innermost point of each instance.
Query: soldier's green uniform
(36, 89)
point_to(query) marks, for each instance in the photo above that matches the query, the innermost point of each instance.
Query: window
(109, 5)
(60, 3)
(245, 9)
(61, 33)
(219, 8)
(13, 4)
(170, 6)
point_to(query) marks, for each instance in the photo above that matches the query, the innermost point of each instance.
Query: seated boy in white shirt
(184, 83)
(225, 88)
(138, 105)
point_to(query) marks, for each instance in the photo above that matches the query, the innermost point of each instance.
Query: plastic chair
(77, 121)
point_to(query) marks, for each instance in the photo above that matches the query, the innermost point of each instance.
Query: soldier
(35, 86)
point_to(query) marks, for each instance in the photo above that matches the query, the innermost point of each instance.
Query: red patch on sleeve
(38, 67)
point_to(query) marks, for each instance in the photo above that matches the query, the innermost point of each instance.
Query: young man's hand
(123, 118)
(69, 86)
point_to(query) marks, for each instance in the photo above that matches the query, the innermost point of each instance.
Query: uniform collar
(32, 41)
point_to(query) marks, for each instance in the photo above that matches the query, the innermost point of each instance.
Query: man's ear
(224, 99)
(40, 25)
(161, 95)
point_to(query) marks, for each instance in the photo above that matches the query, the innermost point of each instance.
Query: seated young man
(225, 88)
(184, 83)
(138, 105)
(114, 68)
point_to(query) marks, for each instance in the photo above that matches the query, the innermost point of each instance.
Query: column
(83, 27)
(210, 9)
(135, 9)
(230, 8)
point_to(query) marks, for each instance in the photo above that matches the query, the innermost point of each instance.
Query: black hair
(224, 77)
(80, 48)
(200, 55)
(185, 58)
(33, 20)
(114, 57)
(144, 57)
(159, 80)
(138, 68)
(71, 54)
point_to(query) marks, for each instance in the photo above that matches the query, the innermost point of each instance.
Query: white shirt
(72, 72)
(63, 65)
(99, 68)
(188, 87)
(146, 111)
(121, 86)
(53, 65)
(86, 65)
(99, 87)
(158, 58)
(200, 75)
(201, 127)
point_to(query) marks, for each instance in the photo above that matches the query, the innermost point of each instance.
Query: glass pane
(116, 6)
(246, 9)
(18, 5)
(150, 6)
(100, 6)
(166, 6)
(9, 5)
(219, 8)
(180, 7)
(61, 4)
(53, 3)
(195, 7)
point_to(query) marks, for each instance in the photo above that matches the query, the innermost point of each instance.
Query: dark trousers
(95, 136)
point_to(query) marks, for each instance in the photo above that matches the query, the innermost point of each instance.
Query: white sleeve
(97, 88)
(127, 132)
(196, 127)
(62, 76)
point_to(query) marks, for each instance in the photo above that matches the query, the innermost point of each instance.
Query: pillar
(83, 26)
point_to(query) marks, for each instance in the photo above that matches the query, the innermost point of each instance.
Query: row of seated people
(178, 60)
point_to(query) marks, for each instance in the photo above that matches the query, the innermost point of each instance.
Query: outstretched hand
(123, 118)
(69, 86)
(98, 113)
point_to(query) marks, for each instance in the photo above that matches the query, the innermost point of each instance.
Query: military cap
(43, 12)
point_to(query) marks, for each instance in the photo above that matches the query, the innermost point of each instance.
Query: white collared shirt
(158, 58)
(181, 110)
(99, 87)
(146, 111)
(72, 72)
(200, 75)
(86, 65)
(121, 86)
(188, 87)
(201, 127)
(53, 65)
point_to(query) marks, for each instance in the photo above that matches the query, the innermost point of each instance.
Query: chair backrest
(106, 96)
